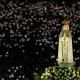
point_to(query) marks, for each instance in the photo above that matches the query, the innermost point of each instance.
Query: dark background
(29, 33)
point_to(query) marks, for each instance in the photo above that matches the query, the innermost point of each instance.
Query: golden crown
(66, 21)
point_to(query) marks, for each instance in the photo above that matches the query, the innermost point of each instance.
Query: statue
(65, 49)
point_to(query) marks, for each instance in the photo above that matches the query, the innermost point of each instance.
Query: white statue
(65, 49)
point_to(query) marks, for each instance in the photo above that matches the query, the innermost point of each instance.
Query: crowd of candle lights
(29, 33)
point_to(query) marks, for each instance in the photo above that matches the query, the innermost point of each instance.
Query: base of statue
(66, 64)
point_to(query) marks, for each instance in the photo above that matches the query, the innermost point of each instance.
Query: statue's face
(65, 27)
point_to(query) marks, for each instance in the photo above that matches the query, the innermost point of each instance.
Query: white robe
(65, 52)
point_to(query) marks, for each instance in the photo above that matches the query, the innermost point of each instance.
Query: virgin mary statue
(65, 49)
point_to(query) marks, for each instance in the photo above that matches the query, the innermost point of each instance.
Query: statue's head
(65, 28)
(66, 25)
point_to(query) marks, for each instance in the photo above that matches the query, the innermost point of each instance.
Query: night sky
(29, 33)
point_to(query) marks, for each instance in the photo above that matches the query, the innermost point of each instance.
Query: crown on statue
(66, 21)
(66, 24)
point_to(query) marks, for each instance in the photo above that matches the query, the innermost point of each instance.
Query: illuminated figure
(65, 49)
